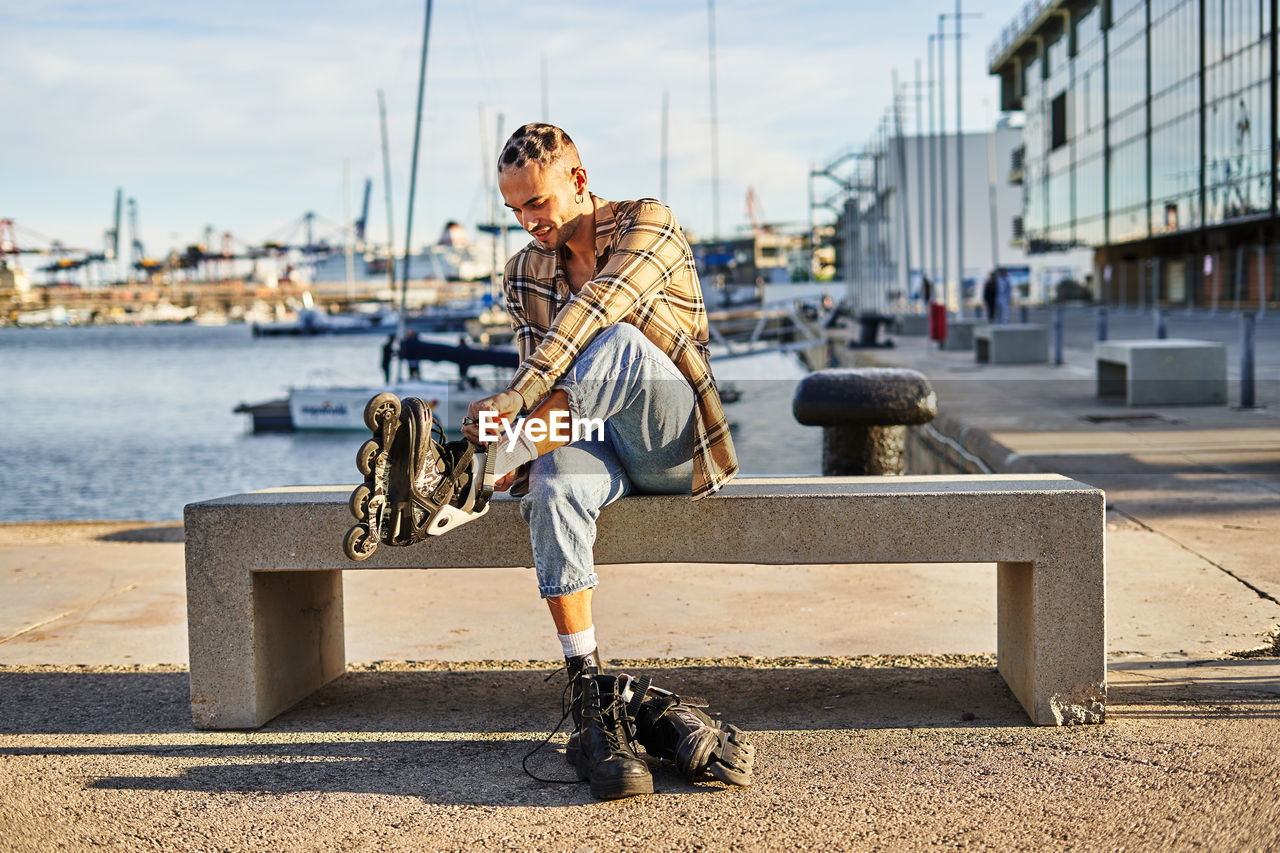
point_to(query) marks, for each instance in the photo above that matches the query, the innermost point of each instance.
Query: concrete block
(1156, 372)
(1014, 343)
(959, 334)
(912, 324)
(264, 570)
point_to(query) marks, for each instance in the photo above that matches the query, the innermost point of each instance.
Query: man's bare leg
(571, 613)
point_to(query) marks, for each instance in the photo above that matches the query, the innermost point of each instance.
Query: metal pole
(1102, 324)
(919, 178)
(1057, 336)
(1246, 362)
(942, 166)
(991, 192)
(813, 239)
(499, 222)
(386, 181)
(413, 179)
(1261, 254)
(1239, 277)
(933, 182)
(904, 276)
(1161, 332)
(959, 165)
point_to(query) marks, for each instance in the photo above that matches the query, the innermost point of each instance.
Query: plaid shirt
(645, 276)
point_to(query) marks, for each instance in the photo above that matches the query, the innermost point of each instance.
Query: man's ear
(579, 179)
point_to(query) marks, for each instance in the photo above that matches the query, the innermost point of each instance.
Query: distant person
(926, 290)
(1004, 296)
(990, 293)
(411, 338)
(388, 355)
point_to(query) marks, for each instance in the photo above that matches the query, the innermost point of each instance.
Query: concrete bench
(1170, 371)
(264, 571)
(1014, 343)
(959, 334)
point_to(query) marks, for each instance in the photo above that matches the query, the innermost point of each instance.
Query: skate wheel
(359, 502)
(365, 457)
(385, 406)
(358, 544)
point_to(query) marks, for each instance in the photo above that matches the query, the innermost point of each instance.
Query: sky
(244, 116)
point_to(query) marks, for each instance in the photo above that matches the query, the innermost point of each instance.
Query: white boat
(342, 409)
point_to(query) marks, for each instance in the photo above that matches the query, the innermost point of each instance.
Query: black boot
(578, 666)
(605, 755)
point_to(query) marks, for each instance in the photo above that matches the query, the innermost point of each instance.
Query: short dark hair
(537, 142)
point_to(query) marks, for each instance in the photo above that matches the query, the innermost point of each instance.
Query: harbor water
(120, 422)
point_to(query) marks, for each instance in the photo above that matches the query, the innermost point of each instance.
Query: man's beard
(566, 232)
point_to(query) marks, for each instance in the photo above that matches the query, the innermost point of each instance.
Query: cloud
(242, 114)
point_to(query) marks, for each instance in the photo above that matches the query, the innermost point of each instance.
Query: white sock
(507, 458)
(579, 643)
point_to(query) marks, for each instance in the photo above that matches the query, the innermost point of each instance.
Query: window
(1058, 122)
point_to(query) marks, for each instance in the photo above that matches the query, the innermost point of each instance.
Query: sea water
(123, 422)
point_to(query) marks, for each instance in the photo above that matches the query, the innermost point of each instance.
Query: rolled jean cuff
(570, 389)
(588, 582)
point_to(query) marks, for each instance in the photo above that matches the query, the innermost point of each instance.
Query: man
(611, 332)
(610, 326)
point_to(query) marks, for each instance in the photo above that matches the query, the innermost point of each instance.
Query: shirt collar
(605, 220)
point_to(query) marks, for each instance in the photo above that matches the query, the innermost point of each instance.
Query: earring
(578, 197)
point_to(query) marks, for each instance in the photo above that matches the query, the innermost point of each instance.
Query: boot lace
(567, 707)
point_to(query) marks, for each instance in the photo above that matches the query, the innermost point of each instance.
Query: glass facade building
(1150, 136)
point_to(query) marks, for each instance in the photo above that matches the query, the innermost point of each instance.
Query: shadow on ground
(457, 738)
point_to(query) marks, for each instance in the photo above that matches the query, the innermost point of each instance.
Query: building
(871, 251)
(1149, 137)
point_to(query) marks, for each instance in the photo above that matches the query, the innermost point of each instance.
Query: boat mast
(413, 186)
(386, 183)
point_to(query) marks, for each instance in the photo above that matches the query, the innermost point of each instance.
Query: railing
(1024, 19)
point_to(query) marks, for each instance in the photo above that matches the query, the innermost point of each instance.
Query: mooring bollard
(1102, 325)
(1246, 362)
(1162, 331)
(864, 413)
(1024, 313)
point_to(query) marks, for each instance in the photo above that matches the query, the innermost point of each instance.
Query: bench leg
(260, 642)
(1051, 638)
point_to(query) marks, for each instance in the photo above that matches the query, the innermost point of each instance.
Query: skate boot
(605, 755)
(679, 731)
(415, 484)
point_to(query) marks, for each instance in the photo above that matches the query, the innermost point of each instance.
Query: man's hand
(504, 406)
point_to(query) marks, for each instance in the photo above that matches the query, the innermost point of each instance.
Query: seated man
(611, 331)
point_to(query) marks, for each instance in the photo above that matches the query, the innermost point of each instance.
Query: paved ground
(922, 749)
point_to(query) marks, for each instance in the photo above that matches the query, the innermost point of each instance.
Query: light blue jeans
(648, 410)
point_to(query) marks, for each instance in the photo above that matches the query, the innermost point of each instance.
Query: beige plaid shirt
(645, 276)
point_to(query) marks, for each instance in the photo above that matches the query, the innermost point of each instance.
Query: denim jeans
(648, 409)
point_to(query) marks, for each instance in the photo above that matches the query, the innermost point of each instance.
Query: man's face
(542, 200)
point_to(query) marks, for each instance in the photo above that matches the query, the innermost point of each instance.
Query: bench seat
(264, 571)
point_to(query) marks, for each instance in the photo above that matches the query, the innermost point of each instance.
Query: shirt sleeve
(648, 250)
